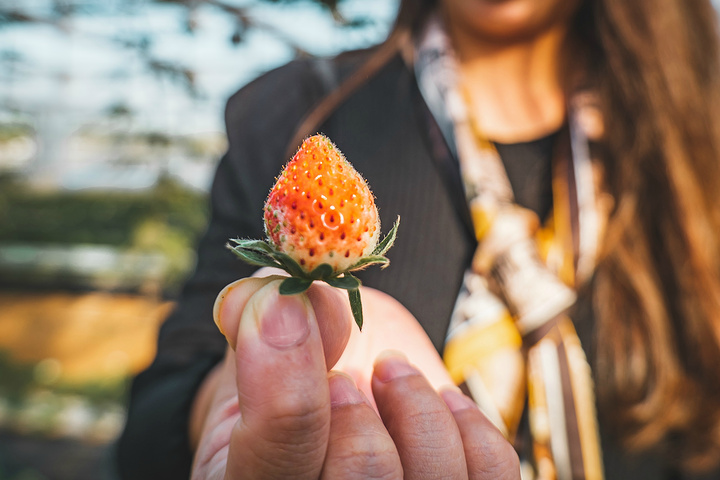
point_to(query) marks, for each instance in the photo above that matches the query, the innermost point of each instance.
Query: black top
(387, 132)
(529, 168)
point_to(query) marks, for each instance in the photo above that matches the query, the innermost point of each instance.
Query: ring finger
(418, 420)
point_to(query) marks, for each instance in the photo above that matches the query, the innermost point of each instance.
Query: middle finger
(359, 446)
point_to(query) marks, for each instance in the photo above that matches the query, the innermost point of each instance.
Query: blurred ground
(79, 338)
(65, 361)
(37, 458)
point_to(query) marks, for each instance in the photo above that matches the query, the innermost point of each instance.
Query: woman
(605, 118)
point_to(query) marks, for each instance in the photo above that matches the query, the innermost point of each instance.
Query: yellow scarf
(510, 344)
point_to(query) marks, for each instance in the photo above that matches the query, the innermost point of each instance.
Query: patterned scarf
(510, 343)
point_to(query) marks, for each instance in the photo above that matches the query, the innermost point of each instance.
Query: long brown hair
(656, 67)
(658, 283)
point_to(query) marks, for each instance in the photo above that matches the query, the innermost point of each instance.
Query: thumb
(282, 388)
(231, 302)
(330, 306)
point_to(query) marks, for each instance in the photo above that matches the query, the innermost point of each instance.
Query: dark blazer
(385, 129)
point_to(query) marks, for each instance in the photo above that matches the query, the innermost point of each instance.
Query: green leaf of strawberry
(346, 282)
(322, 272)
(370, 260)
(255, 245)
(388, 241)
(292, 285)
(321, 223)
(289, 264)
(254, 258)
(356, 306)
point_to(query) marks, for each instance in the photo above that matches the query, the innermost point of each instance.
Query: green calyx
(262, 254)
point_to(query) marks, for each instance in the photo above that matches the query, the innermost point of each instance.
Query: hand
(272, 410)
(390, 326)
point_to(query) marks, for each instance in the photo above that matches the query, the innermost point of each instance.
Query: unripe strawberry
(322, 224)
(321, 209)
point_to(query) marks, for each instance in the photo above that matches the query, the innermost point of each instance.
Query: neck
(514, 89)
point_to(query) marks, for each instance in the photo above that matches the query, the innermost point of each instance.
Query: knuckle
(290, 438)
(495, 457)
(427, 420)
(506, 463)
(299, 413)
(376, 465)
(370, 457)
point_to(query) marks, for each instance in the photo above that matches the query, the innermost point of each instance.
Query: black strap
(338, 90)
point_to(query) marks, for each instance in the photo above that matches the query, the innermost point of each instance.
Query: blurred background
(110, 129)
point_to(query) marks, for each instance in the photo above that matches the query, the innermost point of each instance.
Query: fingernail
(391, 365)
(343, 390)
(218, 305)
(284, 320)
(456, 401)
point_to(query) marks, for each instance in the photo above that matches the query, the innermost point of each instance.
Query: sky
(69, 77)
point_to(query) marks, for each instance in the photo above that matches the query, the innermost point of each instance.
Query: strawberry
(321, 223)
(321, 210)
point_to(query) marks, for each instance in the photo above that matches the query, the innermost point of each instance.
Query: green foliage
(20, 378)
(10, 131)
(166, 219)
(100, 393)
(96, 217)
(17, 378)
